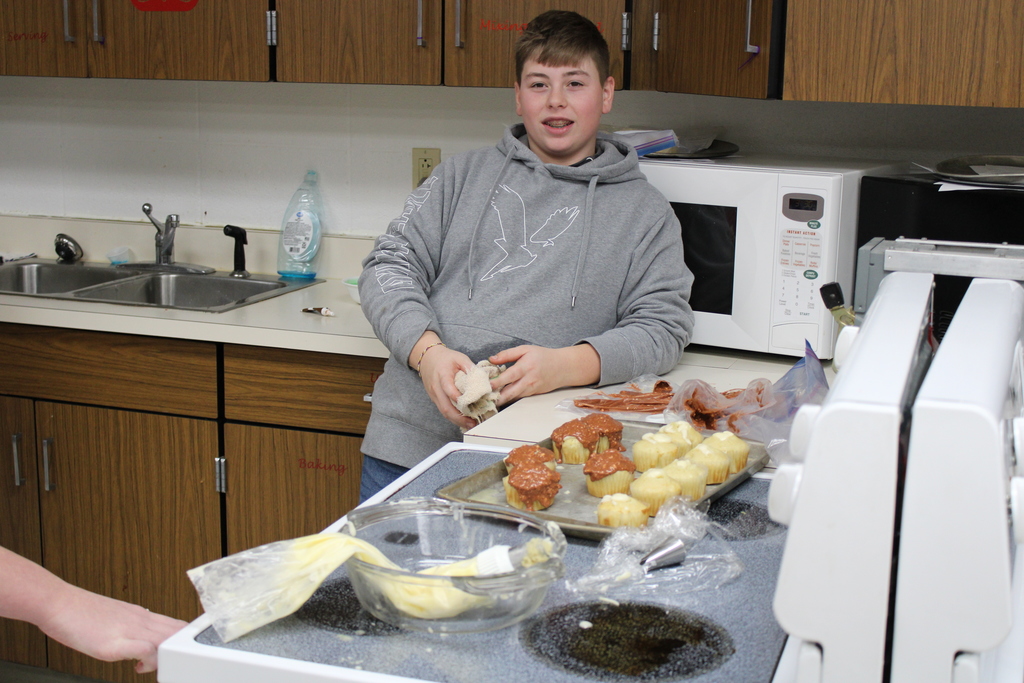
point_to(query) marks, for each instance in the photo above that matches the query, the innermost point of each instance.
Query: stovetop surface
(733, 622)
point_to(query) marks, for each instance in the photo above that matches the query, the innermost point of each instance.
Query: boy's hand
(437, 370)
(538, 370)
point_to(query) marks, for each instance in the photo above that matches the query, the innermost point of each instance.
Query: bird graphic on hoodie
(515, 241)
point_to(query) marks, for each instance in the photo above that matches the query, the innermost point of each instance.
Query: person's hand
(107, 629)
(437, 370)
(538, 370)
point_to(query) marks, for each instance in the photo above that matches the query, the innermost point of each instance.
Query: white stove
(900, 562)
(724, 635)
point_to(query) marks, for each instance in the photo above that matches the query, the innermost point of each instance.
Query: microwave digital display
(709, 248)
(797, 204)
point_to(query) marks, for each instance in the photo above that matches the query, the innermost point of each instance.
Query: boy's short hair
(562, 38)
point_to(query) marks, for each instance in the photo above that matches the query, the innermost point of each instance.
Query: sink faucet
(164, 235)
(165, 247)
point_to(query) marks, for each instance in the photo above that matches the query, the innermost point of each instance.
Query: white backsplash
(222, 152)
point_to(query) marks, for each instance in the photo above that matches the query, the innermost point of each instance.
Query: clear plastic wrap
(619, 570)
(762, 412)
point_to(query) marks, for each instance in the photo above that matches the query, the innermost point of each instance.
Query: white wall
(217, 152)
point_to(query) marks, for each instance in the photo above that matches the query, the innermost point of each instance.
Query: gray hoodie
(499, 249)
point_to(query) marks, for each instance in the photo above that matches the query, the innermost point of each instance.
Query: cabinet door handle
(48, 484)
(419, 24)
(654, 36)
(68, 38)
(750, 11)
(18, 479)
(458, 24)
(96, 37)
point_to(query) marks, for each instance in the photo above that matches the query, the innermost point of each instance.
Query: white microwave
(761, 236)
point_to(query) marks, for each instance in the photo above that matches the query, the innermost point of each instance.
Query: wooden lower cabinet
(19, 518)
(286, 483)
(131, 506)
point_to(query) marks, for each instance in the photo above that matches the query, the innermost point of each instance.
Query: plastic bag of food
(763, 411)
(709, 562)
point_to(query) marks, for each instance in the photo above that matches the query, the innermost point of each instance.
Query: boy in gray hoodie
(549, 253)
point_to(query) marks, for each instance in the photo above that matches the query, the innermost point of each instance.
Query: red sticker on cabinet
(164, 5)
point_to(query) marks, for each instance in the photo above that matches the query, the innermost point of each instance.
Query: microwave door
(955, 598)
(838, 494)
(728, 241)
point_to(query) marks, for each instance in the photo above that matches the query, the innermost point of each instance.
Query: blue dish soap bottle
(298, 252)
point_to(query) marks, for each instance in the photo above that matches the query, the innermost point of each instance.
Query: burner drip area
(334, 606)
(742, 520)
(627, 642)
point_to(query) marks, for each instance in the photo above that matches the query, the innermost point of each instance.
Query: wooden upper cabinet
(714, 47)
(40, 39)
(219, 40)
(359, 41)
(907, 52)
(480, 36)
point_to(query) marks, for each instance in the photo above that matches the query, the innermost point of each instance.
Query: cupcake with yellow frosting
(653, 488)
(736, 448)
(717, 462)
(691, 476)
(654, 450)
(621, 509)
(683, 433)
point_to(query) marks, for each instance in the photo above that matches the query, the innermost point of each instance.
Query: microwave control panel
(802, 242)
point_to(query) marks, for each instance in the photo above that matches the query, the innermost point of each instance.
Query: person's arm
(538, 370)
(101, 627)
(437, 365)
(400, 270)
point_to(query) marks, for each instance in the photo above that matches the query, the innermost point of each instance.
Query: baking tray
(575, 510)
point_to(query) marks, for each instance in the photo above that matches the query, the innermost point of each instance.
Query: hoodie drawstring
(483, 212)
(581, 258)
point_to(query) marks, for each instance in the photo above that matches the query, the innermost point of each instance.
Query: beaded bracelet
(424, 352)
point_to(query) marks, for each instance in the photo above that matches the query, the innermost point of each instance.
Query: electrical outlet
(424, 159)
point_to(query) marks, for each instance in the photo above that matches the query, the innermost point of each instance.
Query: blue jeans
(376, 475)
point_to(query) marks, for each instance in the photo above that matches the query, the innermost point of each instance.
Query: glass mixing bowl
(419, 533)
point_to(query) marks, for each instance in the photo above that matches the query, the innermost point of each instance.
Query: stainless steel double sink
(214, 292)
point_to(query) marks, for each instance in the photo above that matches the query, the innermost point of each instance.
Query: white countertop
(532, 419)
(280, 323)
(277, 322)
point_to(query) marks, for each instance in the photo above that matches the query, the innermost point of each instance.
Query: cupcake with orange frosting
(575, 441)
(609, 431)
(608, 472)
(529, 454)
(531, 487)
